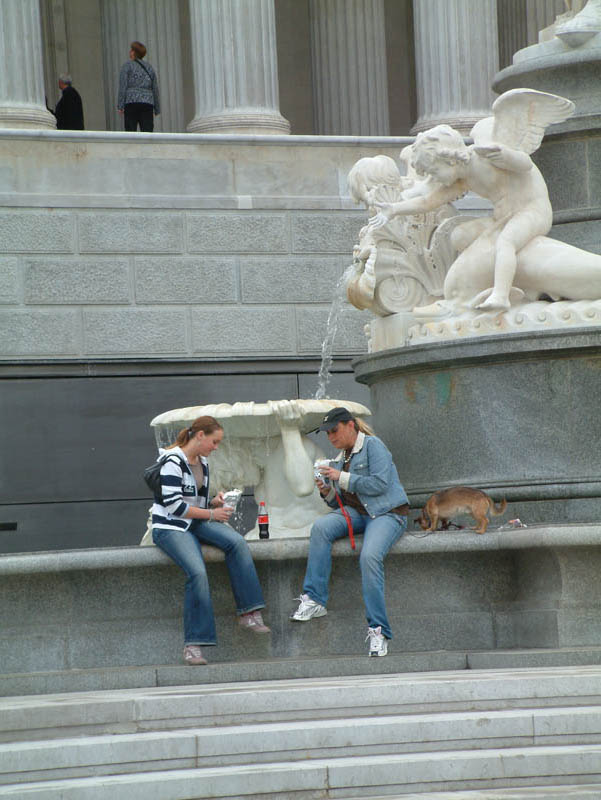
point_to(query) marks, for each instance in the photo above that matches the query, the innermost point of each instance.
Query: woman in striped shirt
(185, 519)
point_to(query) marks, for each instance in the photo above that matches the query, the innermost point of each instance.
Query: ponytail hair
(361, 425)
(205, 424)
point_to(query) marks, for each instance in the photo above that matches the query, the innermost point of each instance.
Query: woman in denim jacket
(363, 481)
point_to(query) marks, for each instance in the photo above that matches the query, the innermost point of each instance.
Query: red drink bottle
(263, 520)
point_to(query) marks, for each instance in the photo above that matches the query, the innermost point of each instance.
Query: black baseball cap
(333, 417)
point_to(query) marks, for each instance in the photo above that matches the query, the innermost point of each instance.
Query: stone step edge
(122, 711)
(503, 729)
(573, 791)
(129, 677)
(357, 777)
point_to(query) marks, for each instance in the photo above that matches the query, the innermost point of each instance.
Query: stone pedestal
(557, 68)
(235, 67)
(22, 100)
(514, 414)
(155, 23)
(348, 45)
(569, 64)
(456, 57)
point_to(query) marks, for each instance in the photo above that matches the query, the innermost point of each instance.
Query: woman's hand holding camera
(330, 473)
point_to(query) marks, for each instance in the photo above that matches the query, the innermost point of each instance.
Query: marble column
(456, 58)
(542, 15)
(512, 16)
(22, 97)
(235, 67)
(520, 24)
(156, 24)
(350, 87)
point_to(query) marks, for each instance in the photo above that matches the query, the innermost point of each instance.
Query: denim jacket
(371, 475)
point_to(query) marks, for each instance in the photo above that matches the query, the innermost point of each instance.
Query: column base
(26, 117)
(235, 122)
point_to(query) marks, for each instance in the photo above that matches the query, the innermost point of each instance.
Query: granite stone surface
(504, 413)
(39, 333)
(192, 280)
(237, 233)
(450, 592)
(568, 187)
(10, 281)
(242, 330)
(23, 231)
(76, 281)
(290, 279)
(130, 232)
(312, 326)
(326, 233)
(133, 330)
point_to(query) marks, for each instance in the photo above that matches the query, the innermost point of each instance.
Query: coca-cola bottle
(263, 520)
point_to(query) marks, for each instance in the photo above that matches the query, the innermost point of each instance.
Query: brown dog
(459, 500)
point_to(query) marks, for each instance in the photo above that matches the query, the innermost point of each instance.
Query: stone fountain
(485, 353)
(265, 448)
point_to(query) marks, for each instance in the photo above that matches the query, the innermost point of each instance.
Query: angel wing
(521, 116)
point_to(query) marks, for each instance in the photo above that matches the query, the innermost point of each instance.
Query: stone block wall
(143, 272)
(115, 246)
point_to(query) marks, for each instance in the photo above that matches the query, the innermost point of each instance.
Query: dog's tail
(497, 508)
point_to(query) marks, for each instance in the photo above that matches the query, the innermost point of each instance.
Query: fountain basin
(249, 420)
(266, 450)
(513, 414)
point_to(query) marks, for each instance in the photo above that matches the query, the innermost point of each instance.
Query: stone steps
(572, 791)
(358, 777)
(108, 678)
(169, 708)
(341, 737)
(296, 741)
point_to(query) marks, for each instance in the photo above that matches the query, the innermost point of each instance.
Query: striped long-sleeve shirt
(179, 491)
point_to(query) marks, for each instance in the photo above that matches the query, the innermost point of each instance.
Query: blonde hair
(362, 426)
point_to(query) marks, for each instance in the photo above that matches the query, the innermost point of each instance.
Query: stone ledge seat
(528, 588)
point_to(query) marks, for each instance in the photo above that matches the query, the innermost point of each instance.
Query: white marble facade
(333, 67)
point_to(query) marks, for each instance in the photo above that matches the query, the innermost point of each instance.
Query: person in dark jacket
(138, 96)
(69, 109)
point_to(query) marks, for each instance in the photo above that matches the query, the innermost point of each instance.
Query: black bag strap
(138, 61)
(166, 456)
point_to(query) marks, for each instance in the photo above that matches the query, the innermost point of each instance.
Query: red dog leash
(347, 518)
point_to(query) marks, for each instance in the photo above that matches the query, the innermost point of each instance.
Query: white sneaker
(378, 643)
(308, 609)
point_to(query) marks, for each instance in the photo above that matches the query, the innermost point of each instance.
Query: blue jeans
(183, 547)
(380, 534)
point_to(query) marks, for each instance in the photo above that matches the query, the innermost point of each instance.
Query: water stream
(327, 347)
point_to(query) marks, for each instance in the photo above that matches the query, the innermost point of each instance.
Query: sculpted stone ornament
(505, 260)
(266, 447)
(403, 262)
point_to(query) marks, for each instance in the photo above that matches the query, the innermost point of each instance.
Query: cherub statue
(402, 264)
(505, 258)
